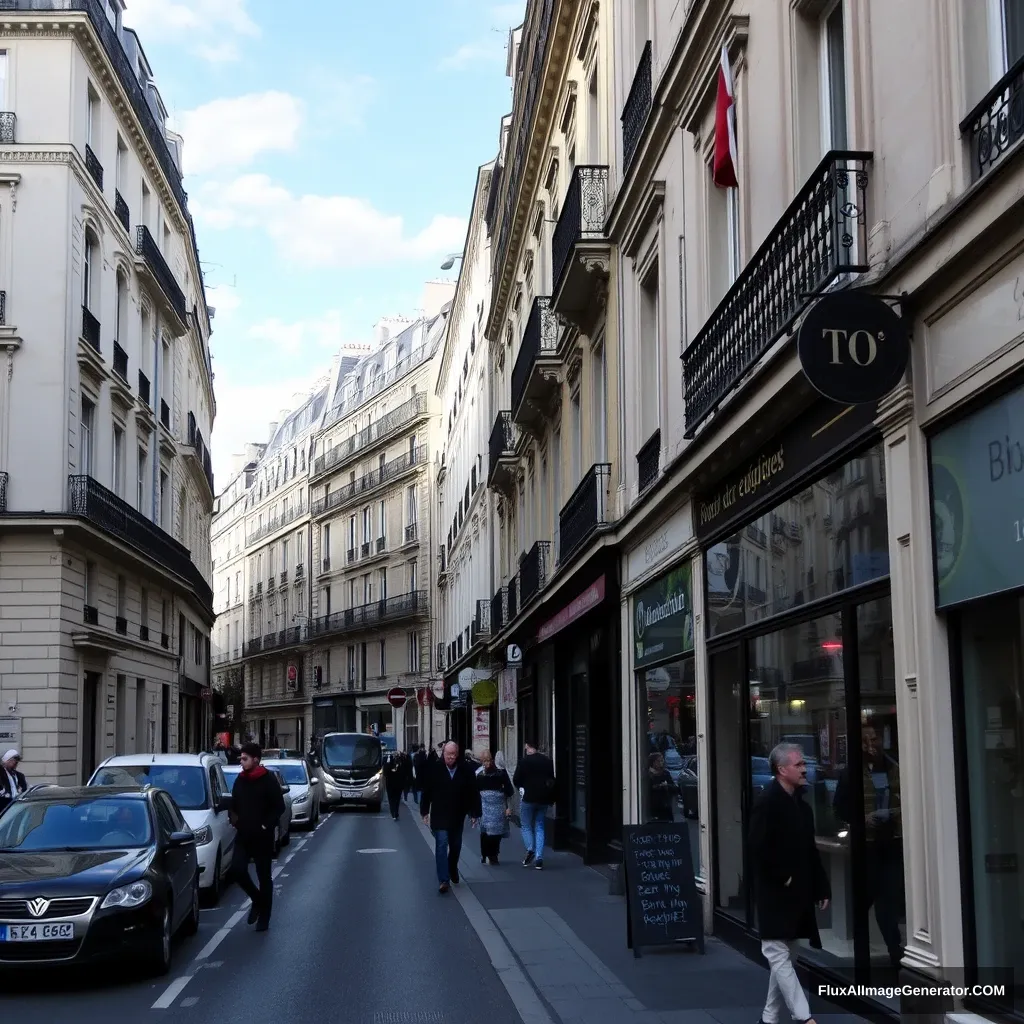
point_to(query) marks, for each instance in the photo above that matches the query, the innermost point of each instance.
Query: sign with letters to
(853, 347)
(662, 902)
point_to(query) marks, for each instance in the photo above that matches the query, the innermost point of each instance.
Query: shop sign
(977, 476)
(507, 688)
(808, 442)
(576, 609)
(10, 732)
(663, 618)
(853, 347)
(485, 691)
(481, 730)
(661, 544)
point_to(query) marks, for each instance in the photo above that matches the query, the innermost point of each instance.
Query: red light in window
(832, 645)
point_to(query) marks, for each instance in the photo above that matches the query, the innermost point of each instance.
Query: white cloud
(323, 231)
(338, 100)
(233, 132)
(483, 51)
(322, 332)
(209, 27)
(507, 16)
(225, 300)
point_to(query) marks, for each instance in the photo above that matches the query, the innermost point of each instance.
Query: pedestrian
(12, 782)
(789, 878)
(450, 795)
(661, 790)
(257, 804)
(394, 781)
(535, 780)
(495, 789)
(408, 772)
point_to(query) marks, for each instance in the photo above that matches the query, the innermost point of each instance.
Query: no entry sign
(397, 697)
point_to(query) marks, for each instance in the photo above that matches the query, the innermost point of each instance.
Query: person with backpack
(535, 779)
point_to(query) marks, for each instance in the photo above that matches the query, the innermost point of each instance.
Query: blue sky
(331, 150)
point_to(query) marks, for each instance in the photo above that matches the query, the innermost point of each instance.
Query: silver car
(304, 788)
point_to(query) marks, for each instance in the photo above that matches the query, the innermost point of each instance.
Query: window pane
(727, 706)
(836, 77)
(1013, 15)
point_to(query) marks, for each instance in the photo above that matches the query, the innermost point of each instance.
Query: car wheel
(158, 961)
(214, 891)
(191, 925)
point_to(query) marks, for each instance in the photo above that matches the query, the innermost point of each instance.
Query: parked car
(95, 873)
(304, 788)
(201, 791)
(283, 831)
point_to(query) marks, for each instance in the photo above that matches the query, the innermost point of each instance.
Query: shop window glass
(830, 536)
(729, 690)
(670, 760)
(993, 685)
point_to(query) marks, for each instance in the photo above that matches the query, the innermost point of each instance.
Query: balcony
(120, 362)
(442, 566)
(291, 637)
(203, 464)
(165, 641)
(253, 646)
(370, 482)
(580, 252)
(647, 461)
(143, 388)
(820, 237)
(165, 414)
(503, 463)
(121, 625)
(92, 502)
(3, 492)
(144, 633)
(373, 387)
(996, 124)
(533, 571)
(585, 512)
(379, 430)
(121, 211)
(368, 616)
(299, 571)
(90, 328)
(325, 565)
(154, 266)
(499, 616)
(481, 626)
(94, 167)
(637, 108)
(278, 522)
(7, 128)
(512, 603)
(91, 615)
(535, 376)
(411, 534)
(282, 578)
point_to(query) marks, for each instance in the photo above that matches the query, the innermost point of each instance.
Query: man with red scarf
(257, 804)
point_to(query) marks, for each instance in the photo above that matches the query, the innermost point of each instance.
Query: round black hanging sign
(853, 347)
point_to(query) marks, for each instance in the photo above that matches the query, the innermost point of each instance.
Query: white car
(304, 789)
(198, 786)
(283, 832)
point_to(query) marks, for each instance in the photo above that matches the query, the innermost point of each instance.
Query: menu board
(662, 903)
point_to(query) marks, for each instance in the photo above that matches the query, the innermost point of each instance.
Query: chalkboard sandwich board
(662, 903)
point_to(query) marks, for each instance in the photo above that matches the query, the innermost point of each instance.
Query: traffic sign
(423, 697)
(397, 697)
(207, 693)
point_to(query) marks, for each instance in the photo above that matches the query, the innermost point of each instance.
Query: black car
(87, 874)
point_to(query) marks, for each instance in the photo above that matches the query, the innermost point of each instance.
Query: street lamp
(449, 260)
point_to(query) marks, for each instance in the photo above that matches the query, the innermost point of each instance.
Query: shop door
(580, 717)
(90, 724)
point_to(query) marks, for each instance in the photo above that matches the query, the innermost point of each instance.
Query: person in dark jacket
(395, 772)
(789, 878)
(257, 804)
(661, 790)
(535, 779)
(450, 795)
(419, 767)
(12, 782)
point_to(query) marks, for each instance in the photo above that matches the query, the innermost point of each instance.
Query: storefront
(334, 714)
(797, 635)
(977, 482)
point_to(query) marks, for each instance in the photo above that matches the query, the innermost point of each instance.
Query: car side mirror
(286, 788)
(314, 782)
(187, 838)
(224, 803)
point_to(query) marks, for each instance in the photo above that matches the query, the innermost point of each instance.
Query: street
(359, 935)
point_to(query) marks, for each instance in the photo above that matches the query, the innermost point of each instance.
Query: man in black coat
(450, 795)
(789, 877)
(419, 767)
(12, 782)
(257, 804)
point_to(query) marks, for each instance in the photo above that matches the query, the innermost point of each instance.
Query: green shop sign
(977, 471)
(663, 618)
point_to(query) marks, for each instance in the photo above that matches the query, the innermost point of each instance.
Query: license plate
(36, 932)
(352, 793)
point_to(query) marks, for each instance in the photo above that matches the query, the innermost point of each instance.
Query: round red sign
(293, 673)
(423, 697)
(397, 697)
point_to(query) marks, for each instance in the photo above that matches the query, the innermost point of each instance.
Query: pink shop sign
(575, 609)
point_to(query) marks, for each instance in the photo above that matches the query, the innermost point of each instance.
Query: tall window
(165, 500)
(144, 608)
(325, 539)
(410, 504)
(649, 354)
(723, 234)
(383, 659)
(87, 430)
(121, 310)
(118, 460)
(414, 652)
(90, 268)
(556, 484)
(381, 521)
(140, 499)
(352, 533)
(119, 165)
(351, 664)
(382, 581)
(367, 588)
(576, 436)
(411, 575)
(90, 584)
(1006, 35)
(92, 126)
(833, 78)
(284, 555)
(600, 405)
(367, 525)
(3, 76)
(147, 204)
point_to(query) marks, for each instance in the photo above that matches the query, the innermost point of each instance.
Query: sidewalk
(569, 936)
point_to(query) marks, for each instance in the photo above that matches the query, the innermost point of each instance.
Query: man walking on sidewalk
(790, 879)
(535, 779)
(450, 795)
(257, 804)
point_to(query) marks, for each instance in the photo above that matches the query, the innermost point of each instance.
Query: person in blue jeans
(450, 795)
(535, 779)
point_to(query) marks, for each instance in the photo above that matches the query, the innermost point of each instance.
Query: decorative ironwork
(202, 453)
(104, 509)
(637, 108)
(3, 492)
(365, 616)
(376, 431)
(377, 384)
(512, 599)
(253, 646)
(144, 387)
(540, 338)
(121, 211)
(997, 122)
(121, 625)
(94, 167)
(90, 328)
(146, 247)
(410, 533)
(290, 637)
(91, 615)
(533, 570)
(165, 414)
(144, 633)
(821, 236)
(120, 362)
(647, 461)
(299, 571)
(585, 511)
(498, 618)
(481, 626)
(7, 125)
(3, 308)
(283, 577)
(370, 481)
(582, 217)
(165, 641)
(503, 441)
(289, 515)
(326, 564)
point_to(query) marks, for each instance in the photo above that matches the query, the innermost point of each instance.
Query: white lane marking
(382, 849)
(172, 992)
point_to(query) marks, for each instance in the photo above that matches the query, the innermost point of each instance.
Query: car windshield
(109, 823)
(186, 783)
(293, 774)
(346, 751)
(231, 772)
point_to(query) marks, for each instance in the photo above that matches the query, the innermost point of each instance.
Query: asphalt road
(359, 936)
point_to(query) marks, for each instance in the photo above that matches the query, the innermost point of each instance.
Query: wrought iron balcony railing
(512, 604)
(121, 211)
(121, 625)
(94, 167)
(202, 453)
(376, 431)
(144, 387)
(821, 236)
(498, 611)
(120, 362)
(503, 442)
(647, 460)
(996, 124)
(7, 125)
(540, 338)
(92, 501)
(3, 308)
(585, 512)
(289, 637)
(90, 328)
(582, 217)
(410, 533)
(253, 646)
(377, 478)
(481, 626)
(146, 247)
(366, 616)
(637, 108)
(282, 519)
(533, 571)
(3, 492)
(165, 414)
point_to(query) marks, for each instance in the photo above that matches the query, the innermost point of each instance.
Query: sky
(331, 151)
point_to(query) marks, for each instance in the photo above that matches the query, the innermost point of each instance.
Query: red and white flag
(723, 171)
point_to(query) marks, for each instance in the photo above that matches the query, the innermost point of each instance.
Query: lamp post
(449, 260)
